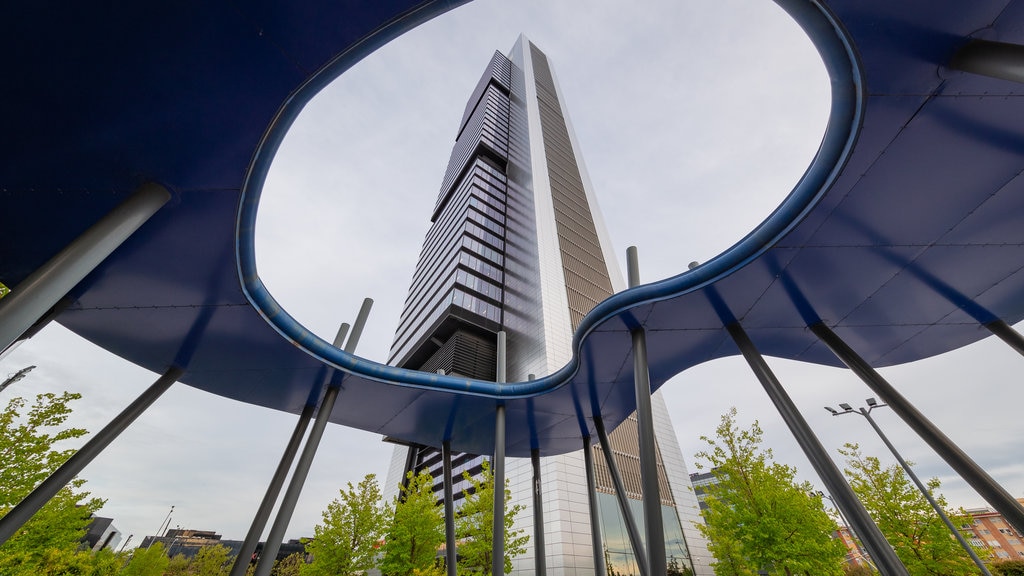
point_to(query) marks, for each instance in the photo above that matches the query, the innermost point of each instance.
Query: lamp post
(853, 536)
(15, 377)
(866, 413)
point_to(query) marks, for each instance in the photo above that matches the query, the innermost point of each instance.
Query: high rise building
(517, 244)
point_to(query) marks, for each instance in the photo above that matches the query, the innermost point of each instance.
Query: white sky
(695, 119)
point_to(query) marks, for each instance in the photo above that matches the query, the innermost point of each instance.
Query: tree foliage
(290, 565)
(475, 525)
(759, 516)
(416, 530)
(29, 435)
(152, 561)
(919, 537)
(1008, 568)
(348, 540)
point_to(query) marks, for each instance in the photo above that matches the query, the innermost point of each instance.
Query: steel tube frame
(994, 59)
(967, 468)
(1007, 334)
(35, 295)
(12, 522)
(653, 523)
(885, 558)
(595, 516)
(539, 550)
(291, 495)
(259, 522)
(498, 471)
(450, 553)
(924, 490)
(620, 495)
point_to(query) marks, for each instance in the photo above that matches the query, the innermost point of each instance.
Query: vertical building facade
(517, 244)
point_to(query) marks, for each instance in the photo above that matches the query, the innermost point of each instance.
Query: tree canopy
(475, 525)
(416, 530)
(759, 516)
(920, 538)
(29, 435)
(347, 541)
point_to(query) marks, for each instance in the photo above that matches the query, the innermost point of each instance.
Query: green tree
(475, 525)
(211, 561)
(919, 537)
(179, 565)
(150, 561)
(759, 517)
(347, 541)
(416, 530)
(290, 565)
(1008, 568)
(28, 434)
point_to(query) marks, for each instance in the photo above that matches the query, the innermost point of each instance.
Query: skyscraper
(517, 244)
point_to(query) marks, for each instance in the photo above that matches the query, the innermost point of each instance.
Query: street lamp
(856, 541)
(11, 379)
(866, 413)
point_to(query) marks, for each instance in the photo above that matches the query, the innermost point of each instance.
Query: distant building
(990, 531)
(700, 481)
(188, 543)
(101, 534)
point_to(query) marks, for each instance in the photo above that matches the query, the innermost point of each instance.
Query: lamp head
(872, 402)
(846, 407)
(832, 410)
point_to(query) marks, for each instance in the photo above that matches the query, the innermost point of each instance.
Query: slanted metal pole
(1007, 334)
(620, 494)
(450, 555)
(291, 495)
(498, 527)
(539, 550)
(882, 553)
(600, 569)
(42, 494)
(995, 59)
(967, 468)
(924, 490)
(36, 294)
(653, 522)
(259, 522)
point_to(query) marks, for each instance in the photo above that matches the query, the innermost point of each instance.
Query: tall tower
(517, 243)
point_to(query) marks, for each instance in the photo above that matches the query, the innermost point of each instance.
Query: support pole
(924, 490)
(967, 468)
(37, 293)
(600, 569)
(259, 522)
(620, 494)
(291, 495)
(498, 527)
(995, 59)
(882, 553)
(42, 494)
(655, 529)
(450, 555)
(539, 550)
(1007, 334)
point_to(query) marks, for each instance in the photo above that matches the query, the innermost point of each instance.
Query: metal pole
(37, 293)
(885, 559)
(924, 490)
(539, 550)
(600, 569)
(498, 527)
(995, 59)
(853, 534)
(20, 514)
(653, 522)
(259, 522)
(1007, 334)
(450, 555)
(620, 494)
(967, 468)
(291, 495)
